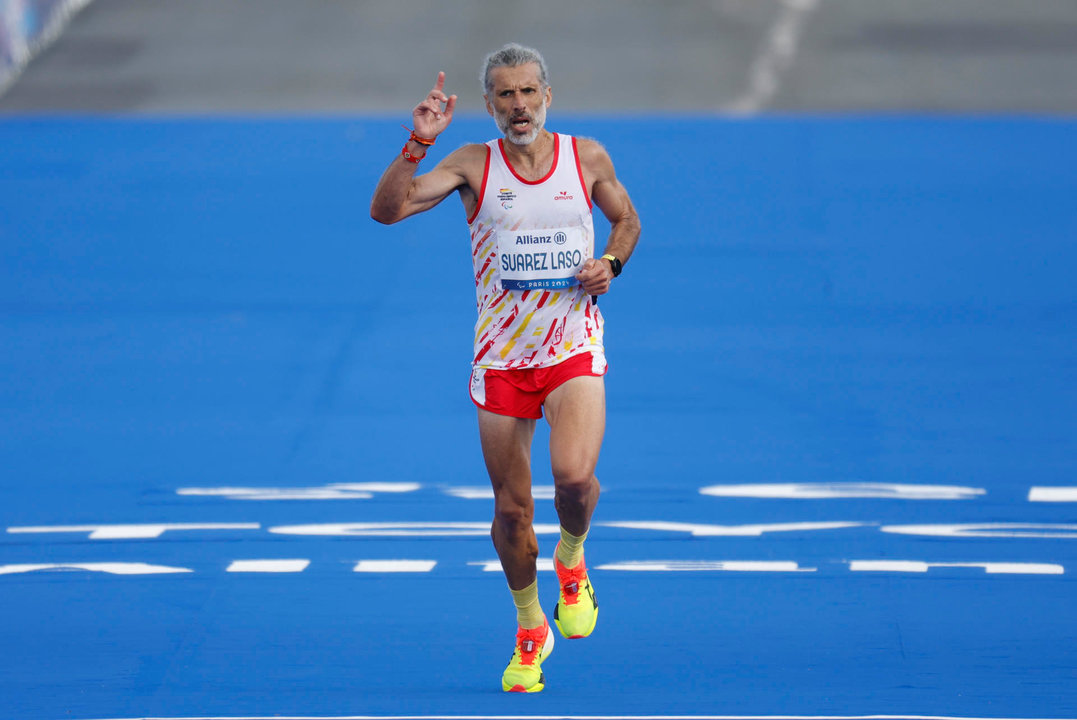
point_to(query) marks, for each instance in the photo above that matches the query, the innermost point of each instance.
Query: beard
(538, 122)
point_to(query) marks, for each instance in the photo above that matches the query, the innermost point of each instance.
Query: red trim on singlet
(556, 152)
(482, 191)
(579, 169)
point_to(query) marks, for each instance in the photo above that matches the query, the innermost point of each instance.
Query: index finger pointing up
(440, 84)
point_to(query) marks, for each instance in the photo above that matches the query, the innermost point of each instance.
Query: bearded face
(521, 127)
(517, 101)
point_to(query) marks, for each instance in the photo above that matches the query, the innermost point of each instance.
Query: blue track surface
(191, 305)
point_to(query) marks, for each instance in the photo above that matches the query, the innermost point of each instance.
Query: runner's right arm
(400, 193)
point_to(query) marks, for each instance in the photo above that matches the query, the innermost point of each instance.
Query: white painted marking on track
(477, 492)
(111, 568)
(394, 566)
(817, 491)
(774, 58)
(546, 565)
(705, 566)
(268, 566)
(915, 566)
(401, 529)
(334, 491)
(1053, 494)
(987, 530)
(132, 532)
(1004, 568)
(542, 565)
(991, 568)
(700, 530)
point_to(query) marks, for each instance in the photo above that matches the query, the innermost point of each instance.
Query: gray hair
(512, 55)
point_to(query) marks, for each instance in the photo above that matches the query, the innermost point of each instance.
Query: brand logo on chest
(563, 195)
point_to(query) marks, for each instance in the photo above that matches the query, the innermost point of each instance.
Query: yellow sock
(570, 550)
(528, 611)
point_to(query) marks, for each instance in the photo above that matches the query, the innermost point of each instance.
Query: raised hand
(429, 116)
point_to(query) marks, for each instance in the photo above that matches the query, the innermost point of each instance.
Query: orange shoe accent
(571, 579)
(530, 642)
(577, 609)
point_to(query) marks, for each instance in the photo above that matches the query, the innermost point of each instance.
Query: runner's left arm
(612, 198)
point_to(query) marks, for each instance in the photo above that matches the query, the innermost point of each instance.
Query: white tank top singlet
(528, 241)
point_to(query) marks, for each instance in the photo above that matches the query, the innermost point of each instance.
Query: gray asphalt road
(740, 56)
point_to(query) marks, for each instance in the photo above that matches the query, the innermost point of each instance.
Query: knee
(575, 486)
(514, 515)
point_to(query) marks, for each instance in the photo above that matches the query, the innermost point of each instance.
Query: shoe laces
(571, 581)
(529, 642)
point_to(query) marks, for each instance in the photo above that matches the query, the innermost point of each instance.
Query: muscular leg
(506, 447)
(576, 412)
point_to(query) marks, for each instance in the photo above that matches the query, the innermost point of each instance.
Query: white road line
(485, 492)
(1053, 494)
(546, 565)
(394, 566)
(111, 568)
(541, 565)
(131, 532)
(334, 491)
(987, 530)
(268, 566)
(701, 530)
(991, 568)
(779, 49)
(821, 491)
(401, 529)
(705, 566)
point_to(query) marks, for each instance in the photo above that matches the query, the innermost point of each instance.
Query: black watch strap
(615, 264)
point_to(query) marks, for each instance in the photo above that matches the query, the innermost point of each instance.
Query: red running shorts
(520, 393)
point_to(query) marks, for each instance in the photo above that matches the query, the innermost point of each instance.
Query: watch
(615, 264)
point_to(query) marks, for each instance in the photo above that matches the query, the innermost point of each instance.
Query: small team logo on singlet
(563, 195)
(506, 196)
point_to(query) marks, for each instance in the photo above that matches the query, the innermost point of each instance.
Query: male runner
(538, 338)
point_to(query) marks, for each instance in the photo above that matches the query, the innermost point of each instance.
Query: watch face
(615, 264)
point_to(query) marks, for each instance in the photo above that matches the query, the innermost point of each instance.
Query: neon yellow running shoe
(524, 673)
(577, 610)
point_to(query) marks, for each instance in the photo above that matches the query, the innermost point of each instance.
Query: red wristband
(421, 140)
(409, 157)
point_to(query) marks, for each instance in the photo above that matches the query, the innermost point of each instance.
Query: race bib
(541, 259)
